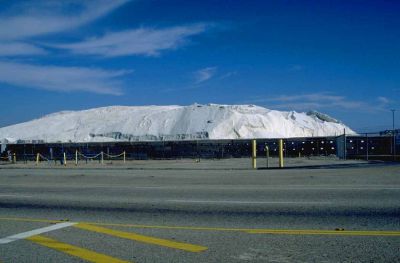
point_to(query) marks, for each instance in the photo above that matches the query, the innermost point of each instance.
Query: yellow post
(280, 153)
(76, 157)
(254, 153)
(124, 156)
(267, 154)
(14, 158)
(102, 157)
(37, 158)
(65, 159)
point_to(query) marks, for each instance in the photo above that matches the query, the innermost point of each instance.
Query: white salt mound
(144, 123)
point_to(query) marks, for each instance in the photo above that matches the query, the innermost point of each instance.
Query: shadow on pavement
(334, 166)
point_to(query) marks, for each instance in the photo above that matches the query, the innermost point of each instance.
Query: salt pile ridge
(144, 123)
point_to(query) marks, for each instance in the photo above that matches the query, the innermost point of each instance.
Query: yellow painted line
(31, 220)
(81, 253)
(246, 230)
(171, 227)
(127, 225)
(264, 231)
(324, 232)
(142, 238)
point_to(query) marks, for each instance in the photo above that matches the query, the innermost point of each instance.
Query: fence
(370, 146)
(78, 157)
(367, 146)
(213, 149)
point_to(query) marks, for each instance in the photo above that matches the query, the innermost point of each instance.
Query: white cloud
(25, 20)
(383, 100)
(307, 97)
(19, 49)
(42, 17)
(228, 75)
(143, 41)
(24, 23)
(204, 74)
(62, 78)
(312, 101)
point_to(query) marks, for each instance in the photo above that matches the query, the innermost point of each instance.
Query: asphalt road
(344, 214)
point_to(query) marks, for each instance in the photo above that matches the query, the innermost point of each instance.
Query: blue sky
(338, 57)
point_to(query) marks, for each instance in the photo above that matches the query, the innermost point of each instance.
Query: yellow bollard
(267, 154)
(37, 158)
(124, 157)
(254, 154)
(76, 157)
(280, 153)
(102, 157)
(65, 159)
(14, 158)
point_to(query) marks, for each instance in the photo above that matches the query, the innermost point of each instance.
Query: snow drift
(212, 121)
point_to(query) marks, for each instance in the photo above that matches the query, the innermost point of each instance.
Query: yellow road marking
(82, 253)
(171, 227)
(142, 238)
(263, 231)
(246, 230)
(323, 232)
(30, 220)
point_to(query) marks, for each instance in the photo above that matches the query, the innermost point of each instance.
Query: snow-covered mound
(212, 121)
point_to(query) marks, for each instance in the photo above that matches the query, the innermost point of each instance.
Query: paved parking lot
(344, 213)
(189, 164)
(113, 242)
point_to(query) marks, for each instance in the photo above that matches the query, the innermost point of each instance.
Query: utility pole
(344, 144)
(394, 136)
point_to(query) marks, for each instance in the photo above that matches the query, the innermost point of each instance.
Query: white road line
(263, 188)
(35, 232)
(14, 195)
(246, 202)
(222, 187)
